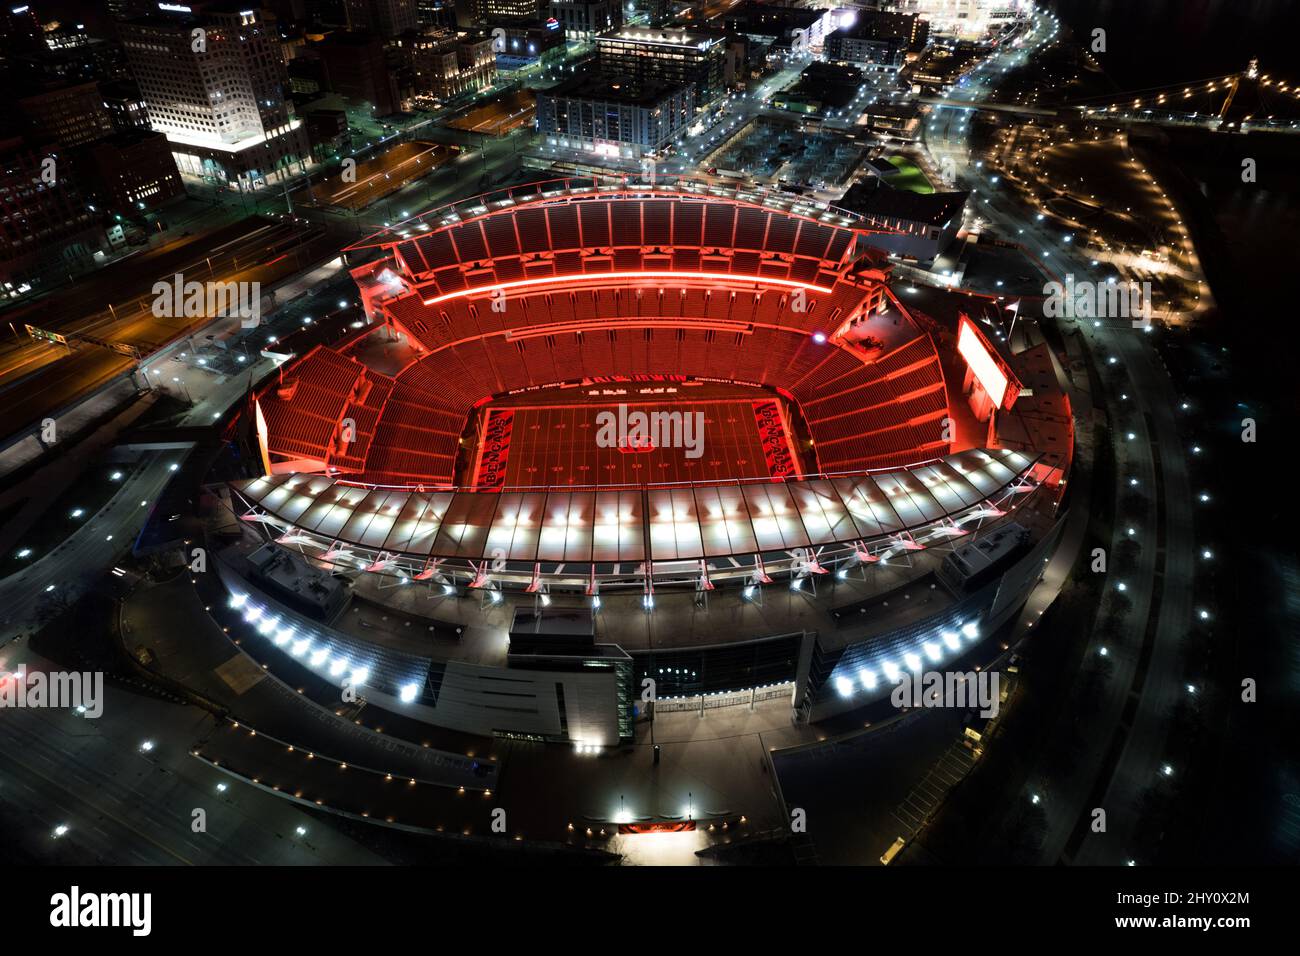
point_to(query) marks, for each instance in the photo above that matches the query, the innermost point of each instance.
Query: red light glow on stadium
(605, 277)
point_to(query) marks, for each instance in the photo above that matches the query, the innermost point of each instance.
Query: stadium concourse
(875, 489)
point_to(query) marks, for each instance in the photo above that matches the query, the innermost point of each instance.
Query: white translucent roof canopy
(664, 523)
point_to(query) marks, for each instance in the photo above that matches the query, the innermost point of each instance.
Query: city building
(674, 56)
(901, 121)
(436, 13)
(328, 13)
(443, 64)
(787, 30)
(132, 171)
(307, 78)
(521, 43)
(922, 225)
(387, 18)
(908, 28)
(287, 11)
(327, 130)
(22, 32)
(877, 56)
(94, 59)
(57, 52)
(583, 19)
(126, 107)
(46, 223)
(126, 9)
(941, 66)
(613, 117)
(821, 87)
(72, 115)
(220, 94)
(357, 66)
(294, 44)
(493, 11)
(966, 19)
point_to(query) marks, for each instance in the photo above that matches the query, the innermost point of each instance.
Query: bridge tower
(1251, 72)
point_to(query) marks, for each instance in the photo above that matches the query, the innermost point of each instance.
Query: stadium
(598, 437)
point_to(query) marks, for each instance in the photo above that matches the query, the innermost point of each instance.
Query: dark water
(1249, 229)
(1153, 42)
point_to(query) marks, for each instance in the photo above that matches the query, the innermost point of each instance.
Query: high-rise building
(877, 55)
(46, 223)
(493, 11)
(443, 65)
(790, 29)
(357, 67)
(125, 9)
(436, 13)
(72, 115)
(126, 107)
(674, 56)
(132, 170)
(613, 116)
(966, 19)
(583, 19)
(908, 28)
(216, 85)
(20, 31)
(387, 18)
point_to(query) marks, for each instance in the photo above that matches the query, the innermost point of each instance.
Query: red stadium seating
(858, 415)
(862, 410)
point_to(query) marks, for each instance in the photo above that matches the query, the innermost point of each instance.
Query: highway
(378, 177)
(40, 378)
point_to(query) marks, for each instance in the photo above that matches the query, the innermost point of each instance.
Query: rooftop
(661, 36)
(873, 199)
(616, 88)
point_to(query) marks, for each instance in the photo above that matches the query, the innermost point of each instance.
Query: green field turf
(909, 176)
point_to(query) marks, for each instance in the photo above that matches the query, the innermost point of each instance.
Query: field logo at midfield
(964, 690)
(1098, 300)
(194, 300)
(637, 431)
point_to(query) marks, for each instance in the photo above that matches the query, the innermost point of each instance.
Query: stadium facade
(870, 499)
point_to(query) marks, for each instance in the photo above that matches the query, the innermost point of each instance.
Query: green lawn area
(909, 176)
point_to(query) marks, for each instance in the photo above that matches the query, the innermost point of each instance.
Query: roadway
(120, 803)
(123, 804)
(378, 177)
(1147, 680)
(40, 378)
